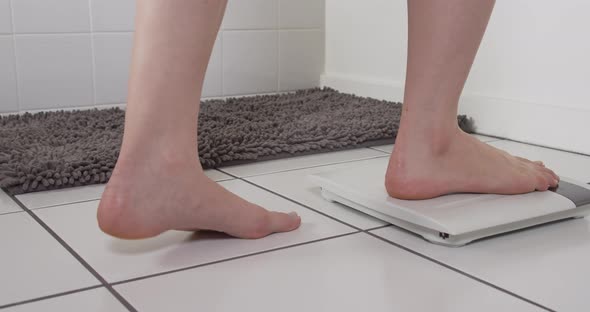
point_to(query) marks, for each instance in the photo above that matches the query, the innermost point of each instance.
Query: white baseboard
(546, 125)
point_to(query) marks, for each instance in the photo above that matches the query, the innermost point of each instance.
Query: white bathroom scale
(456, 219)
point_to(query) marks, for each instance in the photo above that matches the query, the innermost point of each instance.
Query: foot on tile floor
(147, 197)
(459, 163)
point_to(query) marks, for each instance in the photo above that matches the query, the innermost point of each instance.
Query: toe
(254, 222)
(545, 180)
(270, 222)
(542, 183)
(283, 222)
(553, 174)
(536, 162)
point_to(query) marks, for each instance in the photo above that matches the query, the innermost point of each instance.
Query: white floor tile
(7, 204)
(485, 138)
(62, 196)
(300, 162)
(33, 264)
(295, 185)
(352, 273)
(548, 265)
(95, 300)
(119, 260)
(83, 193)
(217, 175)
(388, 148)
(565, 164)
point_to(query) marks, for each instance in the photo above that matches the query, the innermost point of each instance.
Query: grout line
(49, 296)
(232, 258)
(473, 277)
(400, 246)
(358, 230)
(16, 75)
(66, 109)
(64, 204)
(278, 51)
(11, 212)
(93, 53)
(92, 199)
(378, 150)
(498, 139)
(378, 227)
(301, 168)
(66, 33)
(220, 35)
(118, 296)
(273, 28)
(296, 202)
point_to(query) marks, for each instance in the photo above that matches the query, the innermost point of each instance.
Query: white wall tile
(49, 16)
(55, 68)
(5, 17)
(113, 15)
(249, 62)
(213, 78)
(8, 99)
(112, 58)
(302, 13)
(54, 71)
(301, 59)
(251, 14)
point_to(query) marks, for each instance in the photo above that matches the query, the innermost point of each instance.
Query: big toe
(263, 224)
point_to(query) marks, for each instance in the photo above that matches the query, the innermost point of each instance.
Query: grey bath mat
(53, 150)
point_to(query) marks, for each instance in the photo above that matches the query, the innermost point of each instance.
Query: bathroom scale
(455, 219)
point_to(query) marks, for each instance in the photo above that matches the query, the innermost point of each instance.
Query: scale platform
(456, 219)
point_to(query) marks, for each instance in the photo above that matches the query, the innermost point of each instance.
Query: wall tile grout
(221, 57)
(278, 51)
(226, 89)
(15, 57)
(93, 53)
(132, 31)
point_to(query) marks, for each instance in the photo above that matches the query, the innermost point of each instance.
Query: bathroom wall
(75, 53)
(529, 82)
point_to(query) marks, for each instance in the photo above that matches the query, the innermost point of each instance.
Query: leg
(432, 156)
(158, 183)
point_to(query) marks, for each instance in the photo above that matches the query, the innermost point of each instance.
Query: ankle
(167, 159)
(425, 141)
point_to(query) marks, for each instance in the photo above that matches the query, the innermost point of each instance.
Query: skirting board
(546, 125)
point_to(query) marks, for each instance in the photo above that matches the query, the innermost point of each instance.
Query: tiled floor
(53, 257)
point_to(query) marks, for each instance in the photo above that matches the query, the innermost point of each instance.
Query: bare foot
(146, 197)
(460, 163)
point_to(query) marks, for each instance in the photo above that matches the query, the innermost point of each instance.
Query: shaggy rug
(52, 150)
